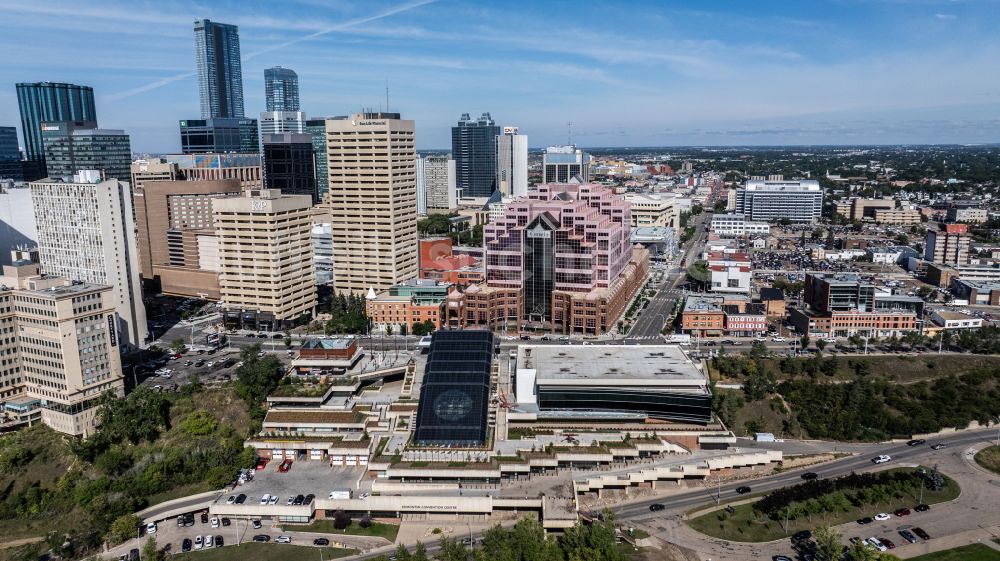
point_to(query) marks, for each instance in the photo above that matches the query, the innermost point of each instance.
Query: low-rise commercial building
(956, 320)
(843, 305)
(729, 272)
(906, 216)
(407, 303)
(774, 302)
(736, 225)
(977, 292)
(715, 316)
(972, 215)
(652, 210)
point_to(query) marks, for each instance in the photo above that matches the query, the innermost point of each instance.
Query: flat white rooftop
(648, 365)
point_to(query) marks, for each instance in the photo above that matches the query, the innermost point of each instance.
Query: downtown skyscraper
(474, 148)
(50, 102)
(220, 73)
(281, 89)
(512, 163)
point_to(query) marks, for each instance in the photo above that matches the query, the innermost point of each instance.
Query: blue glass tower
(220, 73)
(10, 156)
(50, 102)
(281, 89)
(474, 147)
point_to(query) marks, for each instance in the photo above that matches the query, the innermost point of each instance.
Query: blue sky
(624, 73)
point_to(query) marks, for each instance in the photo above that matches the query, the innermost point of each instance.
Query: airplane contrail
(339, 27)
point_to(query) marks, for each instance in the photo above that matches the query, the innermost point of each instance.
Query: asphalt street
(900, 453)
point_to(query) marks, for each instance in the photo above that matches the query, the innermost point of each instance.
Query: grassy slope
(745, 525)
(974, 552)
(989, 458)
(387, 531)
(899, 368)
(265, 552)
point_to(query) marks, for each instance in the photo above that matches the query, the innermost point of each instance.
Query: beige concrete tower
(372, 198)
(266, 255)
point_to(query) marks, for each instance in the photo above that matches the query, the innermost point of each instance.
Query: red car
(285, 466)
(902, 512)
(262, 463)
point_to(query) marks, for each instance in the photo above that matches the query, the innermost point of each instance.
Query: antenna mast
(569, 133)
(386, 95)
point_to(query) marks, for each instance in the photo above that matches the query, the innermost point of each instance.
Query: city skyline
(779, 74)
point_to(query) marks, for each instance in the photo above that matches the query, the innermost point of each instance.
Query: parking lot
(305, 477)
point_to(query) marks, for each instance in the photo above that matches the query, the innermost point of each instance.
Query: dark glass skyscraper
(220, 73)
(201, 136)
(316, 129)
(281, 89)
(474, 148)
(50, 102)
(71, 146)
(289, 164)
(10, 156)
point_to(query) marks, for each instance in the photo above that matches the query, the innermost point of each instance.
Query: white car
(283, 539)
(874, 542)
(197, 542)
(151, 528)
(881, 459)
(215, 522)
(290, 501)
(364, 495)
(209, 541)
(231, 499)
(273, 500)
(881, 517)
(779, 339)
(264, 500)
(209, 364)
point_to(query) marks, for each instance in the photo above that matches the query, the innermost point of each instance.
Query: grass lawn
(899, 368)
(379, 529)
(989, 458)
(974, 552)
(265, 552)
(746, 525)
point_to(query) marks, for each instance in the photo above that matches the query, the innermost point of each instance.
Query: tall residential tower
(220, 73)
(281, 89)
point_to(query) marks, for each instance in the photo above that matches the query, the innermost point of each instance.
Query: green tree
(123, 528)
(758, 350)
(149, 550)
(804, 341)
(820, 344)
(452, 550)
(199, 423)
(257, 377)
(177, 345)
(828, 542)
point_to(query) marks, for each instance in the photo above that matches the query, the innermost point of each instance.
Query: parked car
(209, 541)
(219, 542)
(801, 535)
(199, 542)
(215, 522)
(264, 500)
(283, 539)
(262, 463)
(290, 501)
(231, 500)
(225, 521)
(887, 542)
(902, 512)
(186, 545)
(262, 538)
(937, 446)
(240, 498)
(299, 499)
(922, 508)
(273, 500)
(309, 499)
(921, 533)
(285, 466)
(204, 518)
(151, 528)
(873, 541)
(882, 516)
(908, 536)
(881, 459)
(865, 520)
(255, 523)
(809, 475)
(180, 521)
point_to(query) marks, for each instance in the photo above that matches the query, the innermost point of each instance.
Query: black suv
(298, 500)
(321, 541)
(262, 538)
(655, 507)
(186, 545)
(240, 498)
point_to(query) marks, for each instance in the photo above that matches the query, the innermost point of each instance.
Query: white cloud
(946, 16)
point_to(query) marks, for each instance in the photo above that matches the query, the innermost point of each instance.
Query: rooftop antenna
(569, 133)
(386, 95)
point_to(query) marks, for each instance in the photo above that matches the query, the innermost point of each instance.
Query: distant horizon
(844, 73)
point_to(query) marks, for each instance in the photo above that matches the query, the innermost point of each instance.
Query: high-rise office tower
(10, 156)
(200, 136)
(266, 271)
(316, 128)
(474, 147)
(86, 233)
(512, 163)
(775, 198)
(220, 73)
(277, 122)
(372, 200)
(289, 165)
(948, 243)
(71, 146)
(281, 89)
(565, 164)
(50, 102)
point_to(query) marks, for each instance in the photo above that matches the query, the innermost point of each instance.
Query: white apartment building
(278, 122)
(86, 233)
(737, 225)
(799, 200)
(652, 210)
(59, 347)
(436, 184)
(512, 163)
(265, 251)
(372, 199)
